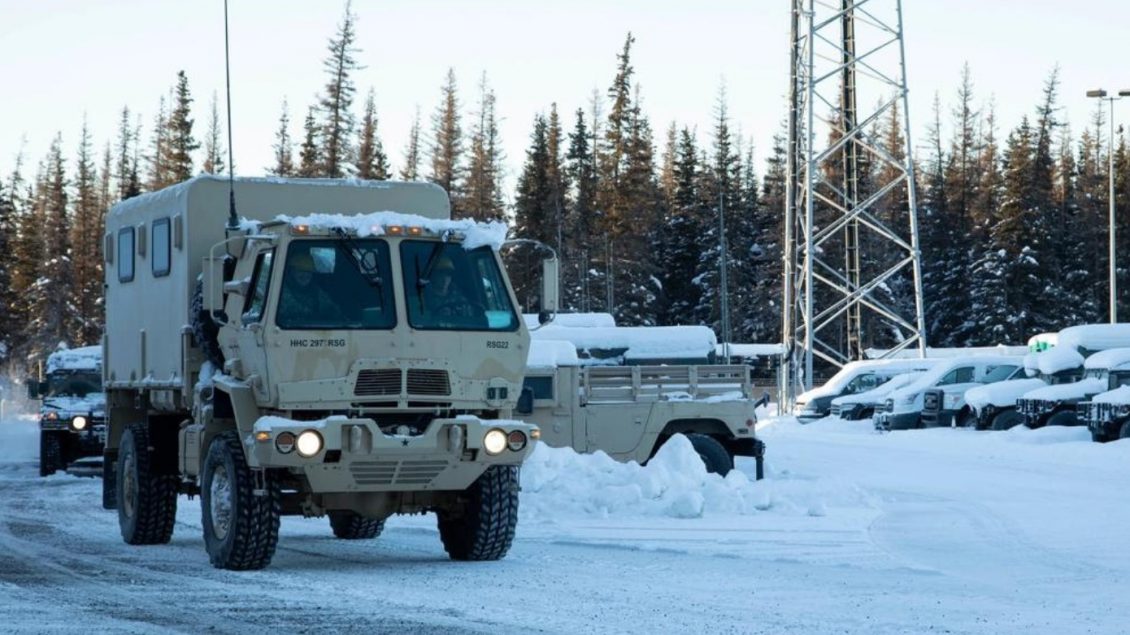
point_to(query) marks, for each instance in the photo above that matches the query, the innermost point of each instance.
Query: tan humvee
(349, 363)
(628, 412)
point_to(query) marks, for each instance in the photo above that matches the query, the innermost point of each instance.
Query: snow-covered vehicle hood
(94, 403)
(1119, 396)
(1111, 359)
(1077, 390)
(1001, 394)
(1055, 360)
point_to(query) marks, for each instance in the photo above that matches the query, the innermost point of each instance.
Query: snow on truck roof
(1058, 359)
(85, 358)
(853, 369)
(1118, 396)
(1074, 390)
(474, 234)
(1095, 336)
(641, 342)
(936, 353)
(552, 354)
(1109, 359)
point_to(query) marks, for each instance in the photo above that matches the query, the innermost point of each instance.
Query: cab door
(251, 323)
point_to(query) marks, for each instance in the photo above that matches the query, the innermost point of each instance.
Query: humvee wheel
(147, 501)
(1007, 419)
(717, 459)
(1099, 437)
(349, 525)
(1063, 418)
(1124, 433)
(50, 453)
(484, 528)
(241, 526)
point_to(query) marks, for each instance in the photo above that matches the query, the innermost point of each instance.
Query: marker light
(51, 415)
(395, 230)
(516, 441)
(415, 231)
(79, 422)
(494, 442)
(262, 436)
(309, 443)
(284, 443)
(301, 229)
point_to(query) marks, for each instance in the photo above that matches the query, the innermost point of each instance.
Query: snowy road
(935, 531)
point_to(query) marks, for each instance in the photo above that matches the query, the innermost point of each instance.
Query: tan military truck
(317, 348)
(629, 412)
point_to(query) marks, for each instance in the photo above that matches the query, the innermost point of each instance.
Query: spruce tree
(159, 175)
(410, 171)
(447, 145)
(533, 218)
(86, 262)
(371, 160)
(483, 196)
(213, 141)
(283, 147)
(680, 236)
(309, 154)
(580, 218)
(52, 315)
(9, 318)
(180, 143)
(337, 103)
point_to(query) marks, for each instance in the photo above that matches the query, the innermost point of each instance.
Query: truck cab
(902, 410)
(72, 415)
(995, 406)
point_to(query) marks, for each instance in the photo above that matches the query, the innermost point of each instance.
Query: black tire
(204, 330)
(147, 508)
(50, 453)
(1063, 418)
(1124, 433)
(1099, 437)
(109, 481)
(717, 459)
(1007, 420)
(349, 525)
(965, 419)
(484, 527)
(241, 528)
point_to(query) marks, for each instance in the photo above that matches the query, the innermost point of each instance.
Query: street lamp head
(1096, 93)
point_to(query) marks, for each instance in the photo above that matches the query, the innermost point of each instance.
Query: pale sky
(60, 59)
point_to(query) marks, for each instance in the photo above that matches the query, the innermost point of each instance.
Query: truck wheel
(484, 528)
(717, 459)
(241, 526)
(1007, 420)
(147, 501)
(50, 453)
(1063, 418)
(1099, 437)
(109, 481)
(1124, 433)
(966, 419)
(204, 330)
(349, 525)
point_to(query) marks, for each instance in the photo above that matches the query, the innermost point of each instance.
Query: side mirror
(549, 286)
(545, 317)
(213, 283)
(764, 401)
(238, 287)
(525, 402)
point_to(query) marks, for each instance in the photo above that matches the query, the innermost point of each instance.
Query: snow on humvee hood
(1058, 359)
(879, 393)
(474, 234)
(1118, 396)
(1111, 359)
(1002, 393)
(85, 358)
(1076, 390)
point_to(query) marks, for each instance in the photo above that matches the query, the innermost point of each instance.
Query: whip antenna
(233, 218)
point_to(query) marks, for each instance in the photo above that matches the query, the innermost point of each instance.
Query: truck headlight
(494, 441)
(309, 443)
(79, 422)
(51, 416)
(1124, 410)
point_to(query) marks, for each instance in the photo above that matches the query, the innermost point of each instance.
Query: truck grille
(378, 381)
(932, 401)
(1031, 407)
(836, 410)
(407, 472)
(1088, 411)
(428, 382)
(886, 406)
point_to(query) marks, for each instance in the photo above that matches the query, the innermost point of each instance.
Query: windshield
(337, 284)
(73, 384)
(1000, 373)
(448, 287)
(1096, 373)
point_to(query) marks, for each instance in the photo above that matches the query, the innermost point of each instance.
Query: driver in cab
(444, 301)
(304, 304)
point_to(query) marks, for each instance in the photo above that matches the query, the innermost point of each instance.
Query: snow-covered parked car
(902, 409)
(945, 406)
(854, 378)
(72, 417)
(862, 405)
(1056, 405)
(994, 405)
(1107, 414)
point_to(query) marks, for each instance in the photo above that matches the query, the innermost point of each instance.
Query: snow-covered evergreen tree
(371, 160)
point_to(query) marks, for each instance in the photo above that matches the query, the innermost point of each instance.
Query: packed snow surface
(1120, 395)
(1002, 393)
(551, 354)
(1074, 390)
(641, 342)
(851, 532)
(1058, 359)
(878, 393)
(85, 358)
(1095, 336)
(474, 234)
(1109, 359)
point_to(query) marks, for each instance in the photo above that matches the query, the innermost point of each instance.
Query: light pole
(1101, 94)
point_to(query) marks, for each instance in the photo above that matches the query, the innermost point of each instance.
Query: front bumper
(938, 418)
(356, 456)
(89, 440)
(896, 420)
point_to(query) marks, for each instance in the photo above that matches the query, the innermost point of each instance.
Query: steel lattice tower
(847, 52)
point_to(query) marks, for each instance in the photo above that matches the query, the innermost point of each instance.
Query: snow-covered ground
(926, 531)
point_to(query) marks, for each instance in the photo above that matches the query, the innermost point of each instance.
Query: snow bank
(1002, 393)
(1048, 435)
(1108, 359)
(675, 484)
(1095, 336)
(1058, 359)
(19, 439)
(574, 320)
(640, 342)
(1118, 396)
(85, 358)
(551, 354)
(474, 234)
(1076, 390)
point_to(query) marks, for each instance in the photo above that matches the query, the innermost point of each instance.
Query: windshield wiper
(351, 250)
